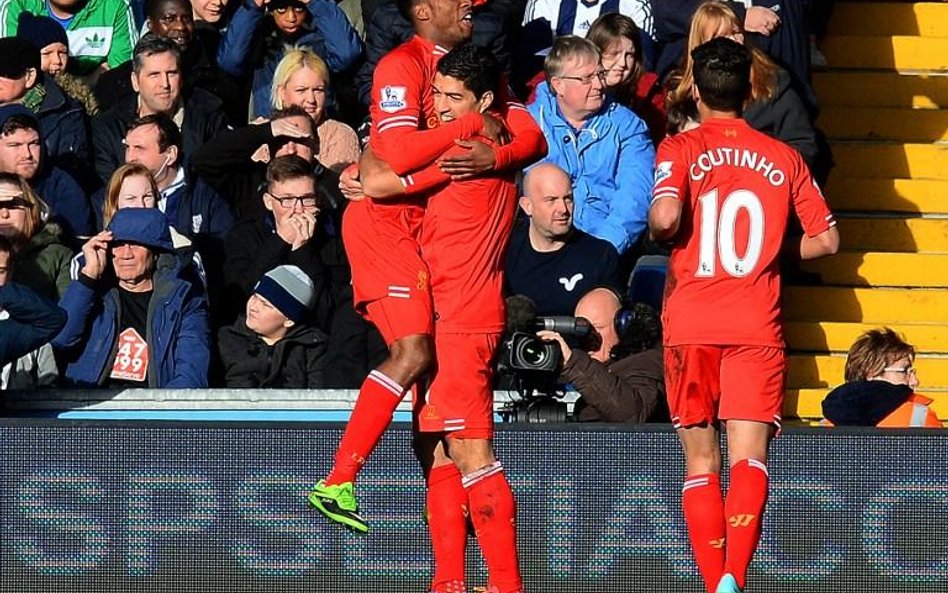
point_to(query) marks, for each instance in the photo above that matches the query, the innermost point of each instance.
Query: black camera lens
(534, 353)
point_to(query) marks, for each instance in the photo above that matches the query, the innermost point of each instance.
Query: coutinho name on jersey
(736, 157)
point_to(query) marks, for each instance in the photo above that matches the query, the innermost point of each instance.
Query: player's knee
(471, 454)
(703, 462)
(413, 354)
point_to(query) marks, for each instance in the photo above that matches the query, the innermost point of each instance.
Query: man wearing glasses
(603, 146)
(288, 234)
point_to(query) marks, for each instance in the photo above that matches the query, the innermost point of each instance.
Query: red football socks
(704, 514)
(378, 398)
(744, 509)
(493, 512)
(447, 526)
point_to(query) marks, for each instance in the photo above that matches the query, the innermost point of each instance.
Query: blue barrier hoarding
(104, 506)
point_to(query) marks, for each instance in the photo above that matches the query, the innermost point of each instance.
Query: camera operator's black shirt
(556, 280)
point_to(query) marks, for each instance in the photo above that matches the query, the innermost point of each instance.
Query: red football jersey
(464, 238)
(736, 186)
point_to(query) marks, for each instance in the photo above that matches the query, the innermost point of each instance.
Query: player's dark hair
(168, 132)
(722, 73)
(474, 66)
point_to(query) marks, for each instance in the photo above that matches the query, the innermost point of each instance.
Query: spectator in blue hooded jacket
(604, 147)
(135, 316)
(262, 30)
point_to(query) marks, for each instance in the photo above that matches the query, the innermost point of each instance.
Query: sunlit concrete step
(832, 336)
(890, 160)
(873, 306)
(812, 371)
(894, 234)
(914, 196)
(886, 53)
(927, 19)
(875, 123)
(857, 268)
(808, 403)
(881, 89)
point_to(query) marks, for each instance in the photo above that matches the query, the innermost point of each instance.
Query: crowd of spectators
(170, 169)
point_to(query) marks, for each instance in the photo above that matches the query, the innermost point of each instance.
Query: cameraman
(619, 377)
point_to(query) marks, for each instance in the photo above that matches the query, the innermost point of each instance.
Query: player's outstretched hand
(478, 158)
(349, 183)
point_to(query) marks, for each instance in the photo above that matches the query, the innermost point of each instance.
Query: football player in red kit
(391, 283)
(464, 237)
(723, 193)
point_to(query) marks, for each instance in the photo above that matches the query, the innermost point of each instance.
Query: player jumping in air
(464, 237)
(723, 193)
(391, 283)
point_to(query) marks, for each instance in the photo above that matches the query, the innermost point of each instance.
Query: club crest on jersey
(663, 171)
(393, 99)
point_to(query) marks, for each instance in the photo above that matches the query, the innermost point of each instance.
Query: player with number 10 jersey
(737, 187)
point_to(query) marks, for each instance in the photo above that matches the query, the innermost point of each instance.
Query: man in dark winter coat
(271, 345)
(156, 78)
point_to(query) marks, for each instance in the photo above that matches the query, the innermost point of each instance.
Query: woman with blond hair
(302, 78)
(42, 261)
(773, 107)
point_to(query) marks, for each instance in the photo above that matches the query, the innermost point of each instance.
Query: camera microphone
(521, 311)
(567, 326)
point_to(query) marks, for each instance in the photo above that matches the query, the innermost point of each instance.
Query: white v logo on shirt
(570, 283)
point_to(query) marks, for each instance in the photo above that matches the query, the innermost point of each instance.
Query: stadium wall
(205, 507)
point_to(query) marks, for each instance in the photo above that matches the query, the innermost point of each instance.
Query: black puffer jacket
(295, 362)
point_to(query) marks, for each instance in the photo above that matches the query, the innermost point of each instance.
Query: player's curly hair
(722, 70)
(475, 66)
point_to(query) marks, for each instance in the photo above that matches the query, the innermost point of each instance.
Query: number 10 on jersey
(717, 233)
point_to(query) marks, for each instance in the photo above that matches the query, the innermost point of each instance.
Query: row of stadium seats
(884, 107)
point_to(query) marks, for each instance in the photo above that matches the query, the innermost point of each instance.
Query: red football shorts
(460, 399)
(710, 383)
(390, 282)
